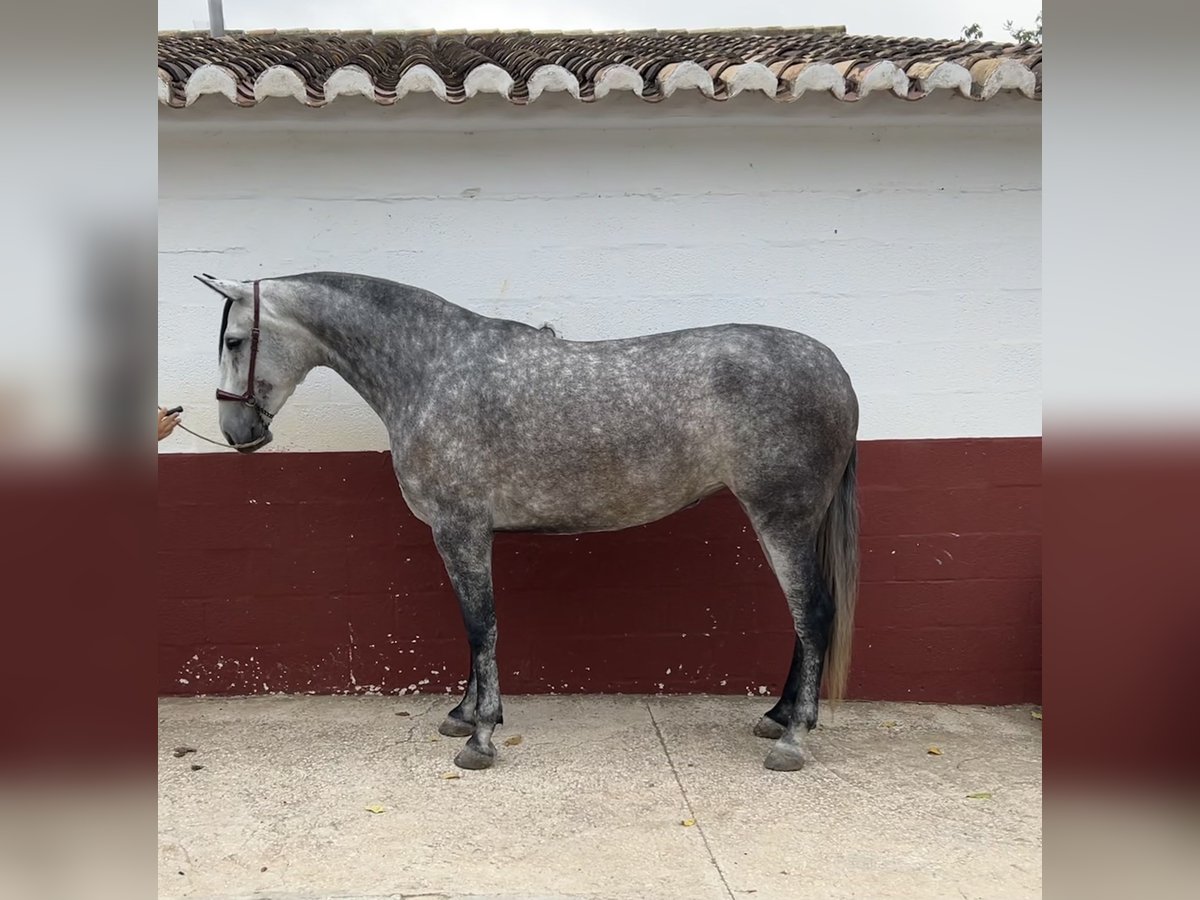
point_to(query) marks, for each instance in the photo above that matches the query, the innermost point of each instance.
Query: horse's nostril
(228, 436)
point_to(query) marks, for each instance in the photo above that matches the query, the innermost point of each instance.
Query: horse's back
(749, 368)
(698, 396)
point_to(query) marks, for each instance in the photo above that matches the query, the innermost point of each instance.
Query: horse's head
(258, 365)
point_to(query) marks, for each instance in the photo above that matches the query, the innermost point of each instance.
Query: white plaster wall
(911, 245)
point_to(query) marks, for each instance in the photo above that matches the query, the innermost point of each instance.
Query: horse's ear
(230, 290)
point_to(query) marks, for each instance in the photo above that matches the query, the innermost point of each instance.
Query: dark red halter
(248, 397)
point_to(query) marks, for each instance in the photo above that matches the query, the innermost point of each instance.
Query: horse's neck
(386, 353)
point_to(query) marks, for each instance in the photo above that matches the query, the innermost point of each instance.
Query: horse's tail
(837, 552)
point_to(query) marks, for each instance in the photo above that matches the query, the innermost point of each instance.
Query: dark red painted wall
(306, 572)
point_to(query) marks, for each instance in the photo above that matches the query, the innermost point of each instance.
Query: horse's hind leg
(775, 721)
(791, 548)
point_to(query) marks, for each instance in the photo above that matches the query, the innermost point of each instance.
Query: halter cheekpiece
(248, 397)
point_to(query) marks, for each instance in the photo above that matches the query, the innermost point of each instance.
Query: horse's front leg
(465, 543)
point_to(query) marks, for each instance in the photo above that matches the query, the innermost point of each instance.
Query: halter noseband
(248, 397)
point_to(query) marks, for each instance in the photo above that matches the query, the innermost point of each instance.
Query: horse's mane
(386, 293)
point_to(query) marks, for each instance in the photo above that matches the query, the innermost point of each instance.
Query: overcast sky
(923, 18)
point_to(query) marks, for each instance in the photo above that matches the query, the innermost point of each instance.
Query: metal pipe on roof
(216, 18)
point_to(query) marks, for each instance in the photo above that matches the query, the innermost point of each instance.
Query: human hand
(166, 422)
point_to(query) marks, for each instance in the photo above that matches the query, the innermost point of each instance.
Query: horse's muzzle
(255, 445)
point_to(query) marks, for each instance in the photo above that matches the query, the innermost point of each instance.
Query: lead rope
(222, 444)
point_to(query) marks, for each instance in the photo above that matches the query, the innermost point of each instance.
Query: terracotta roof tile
(317, 67)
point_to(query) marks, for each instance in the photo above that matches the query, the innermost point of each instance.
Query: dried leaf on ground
(1037, 713)
(374, 808)
(890, 723)
(934, 750)
(404, 712)
(196, 767)
(451, 775)
(183, 751)
(688, 823)
(981, 795)
(513, 741)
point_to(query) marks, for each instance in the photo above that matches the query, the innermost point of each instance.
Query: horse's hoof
(785, 759)
(470, 758)
(452, 727)
(766, 727)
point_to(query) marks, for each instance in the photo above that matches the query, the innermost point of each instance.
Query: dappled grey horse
(496, 425)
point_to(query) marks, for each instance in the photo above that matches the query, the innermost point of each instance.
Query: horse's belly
(599, 510)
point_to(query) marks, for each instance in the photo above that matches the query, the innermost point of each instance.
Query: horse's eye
(233, 343)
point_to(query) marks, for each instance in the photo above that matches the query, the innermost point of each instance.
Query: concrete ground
(598, 797)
